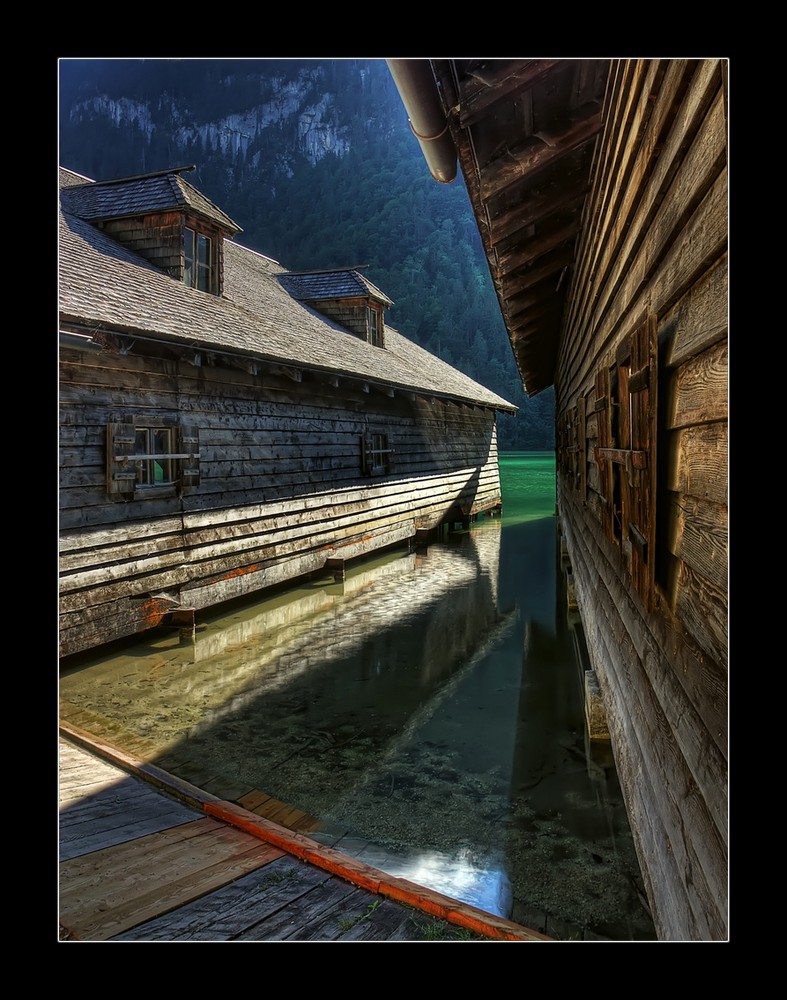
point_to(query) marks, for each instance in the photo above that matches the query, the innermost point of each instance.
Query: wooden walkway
(145, 856)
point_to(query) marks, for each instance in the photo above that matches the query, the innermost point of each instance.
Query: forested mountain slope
(315, 160)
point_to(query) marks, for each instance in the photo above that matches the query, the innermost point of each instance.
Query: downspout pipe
(417, 87)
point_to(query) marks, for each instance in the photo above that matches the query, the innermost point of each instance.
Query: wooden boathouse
(227, 425)
(600, 192)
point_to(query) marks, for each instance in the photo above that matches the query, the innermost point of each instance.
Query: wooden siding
(349, 313)
(280, 491)
(654, 245)
(158, 237)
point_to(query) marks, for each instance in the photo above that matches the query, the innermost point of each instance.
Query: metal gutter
(418, 89)
(79, 341)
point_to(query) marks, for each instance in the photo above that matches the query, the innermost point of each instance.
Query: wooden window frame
(155, 456)
(374, 326)
(199, 270)
(376, 453)
(130, 472)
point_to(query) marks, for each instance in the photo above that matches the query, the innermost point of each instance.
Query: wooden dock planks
(111, 890)
(142, 864)
(279, 812)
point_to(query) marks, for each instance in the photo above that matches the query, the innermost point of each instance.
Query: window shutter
(189, 466)
(626, 455)
(121, 474)
(642, 521)
(572, 446)
(582, 478)
(623, 469)
(562, 444)
(602, 405)
(366, 447)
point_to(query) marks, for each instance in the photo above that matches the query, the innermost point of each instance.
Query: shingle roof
(311, 286)
(103, 285)
(145, 193)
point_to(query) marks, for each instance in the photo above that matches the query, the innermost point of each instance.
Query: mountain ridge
(315, 160)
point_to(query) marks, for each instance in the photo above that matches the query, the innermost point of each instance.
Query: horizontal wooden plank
(651, 720)
(150, 545)
(123, 886)
(698, 537)
(697, 462)
(699, 319)
(674, 247)
(649, 229)
(702, 610)
(698, 391)
(244, 903)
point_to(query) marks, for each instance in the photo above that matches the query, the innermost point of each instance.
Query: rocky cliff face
(307, 110)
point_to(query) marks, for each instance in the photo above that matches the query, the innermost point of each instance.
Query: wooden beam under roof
(533, 209)
(520, 281)
(539, 150)
(536, 247)
(531, 301)
(499, 81)
(537, 319)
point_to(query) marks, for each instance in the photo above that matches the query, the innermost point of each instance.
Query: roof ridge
(330, 270)
(142, 177)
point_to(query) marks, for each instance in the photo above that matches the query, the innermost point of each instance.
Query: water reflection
(425, 715)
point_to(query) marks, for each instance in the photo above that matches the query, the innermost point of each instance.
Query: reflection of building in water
(355, 618)
(389, 635)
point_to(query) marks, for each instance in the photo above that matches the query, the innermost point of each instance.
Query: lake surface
(426, 714)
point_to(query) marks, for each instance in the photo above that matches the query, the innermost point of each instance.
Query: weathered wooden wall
(655, 614)
(159, 238)
(280, 488)
(349, 313)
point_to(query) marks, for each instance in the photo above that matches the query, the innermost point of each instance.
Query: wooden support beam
(338, 567)
(595, 712)
(539, 150)
(185, 620)
(526, 253)
(534, 208)
(422, 536)
(287, 371)
(521, 281)
(499, 82)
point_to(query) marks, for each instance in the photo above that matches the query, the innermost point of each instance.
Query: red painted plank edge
(351, 869)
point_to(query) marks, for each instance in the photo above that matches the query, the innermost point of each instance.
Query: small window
(197, 260)
(376, 454)
(374, 326)
(154, 455)
(144, 460)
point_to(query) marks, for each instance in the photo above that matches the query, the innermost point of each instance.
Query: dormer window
(198, 260)
(345, 296)
(172, 225)
(374, 326)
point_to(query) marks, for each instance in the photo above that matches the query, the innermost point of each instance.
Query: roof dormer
(161, 217)
(345, 296)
